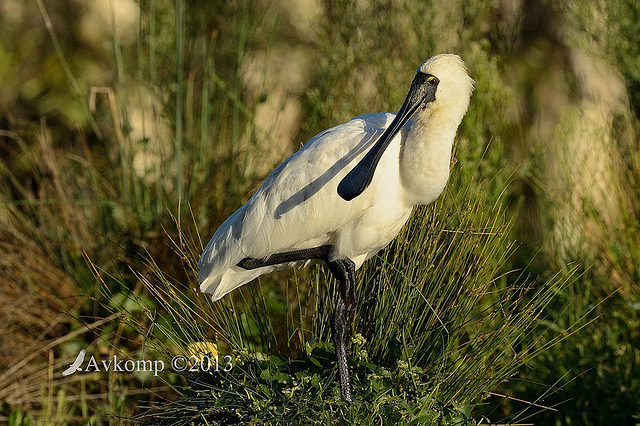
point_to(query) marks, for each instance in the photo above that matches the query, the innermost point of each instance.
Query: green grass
(439, 324)
(472, 314)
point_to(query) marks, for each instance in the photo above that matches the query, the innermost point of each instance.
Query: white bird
(75, 365)
(345, 194)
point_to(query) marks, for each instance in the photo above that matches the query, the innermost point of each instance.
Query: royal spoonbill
(345, 194)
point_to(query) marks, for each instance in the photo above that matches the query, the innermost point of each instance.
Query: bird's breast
(383, 211)
(424, 161)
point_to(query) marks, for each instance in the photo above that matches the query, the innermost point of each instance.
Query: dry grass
(35, 296)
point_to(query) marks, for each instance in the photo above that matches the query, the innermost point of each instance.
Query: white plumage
(298, 206)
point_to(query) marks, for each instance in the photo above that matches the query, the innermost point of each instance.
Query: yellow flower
(199, 349)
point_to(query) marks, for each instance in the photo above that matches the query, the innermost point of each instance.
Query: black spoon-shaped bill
(422, 91)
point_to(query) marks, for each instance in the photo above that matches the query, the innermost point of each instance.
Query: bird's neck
(425, 156)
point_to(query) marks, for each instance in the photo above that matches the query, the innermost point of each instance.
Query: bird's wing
(296, 207)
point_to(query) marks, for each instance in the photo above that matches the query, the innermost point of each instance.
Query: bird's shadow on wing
(372, 133)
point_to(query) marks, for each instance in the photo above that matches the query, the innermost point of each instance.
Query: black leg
(320, 253)
(344, 271)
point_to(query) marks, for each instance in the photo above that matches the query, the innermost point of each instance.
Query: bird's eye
(433, 80)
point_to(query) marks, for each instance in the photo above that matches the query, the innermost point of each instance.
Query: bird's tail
(231, 279)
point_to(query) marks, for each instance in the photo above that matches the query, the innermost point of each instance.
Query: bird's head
(441, 85)
(450, 84)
